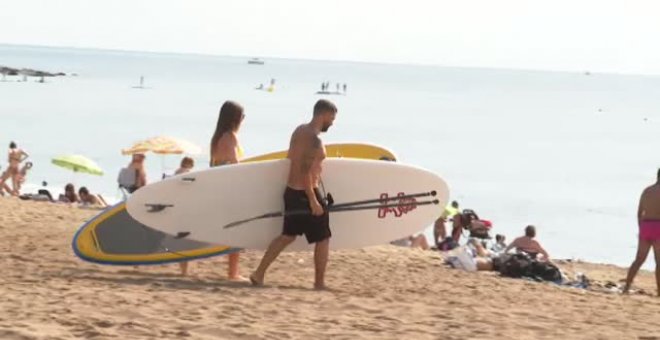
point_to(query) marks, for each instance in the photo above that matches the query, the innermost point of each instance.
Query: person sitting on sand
(134, 175)
(87, 199)
(186, 165)
(500, 244)
(648, 220)
(69, 195)
(527, 244)
(439, 228)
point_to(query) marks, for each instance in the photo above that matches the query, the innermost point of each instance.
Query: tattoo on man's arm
(310, 155)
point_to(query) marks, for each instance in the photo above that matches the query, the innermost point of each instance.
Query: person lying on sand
(412, 241)
(69, 195)
(89, 200)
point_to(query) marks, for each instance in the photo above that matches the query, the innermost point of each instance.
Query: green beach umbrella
(78, 163)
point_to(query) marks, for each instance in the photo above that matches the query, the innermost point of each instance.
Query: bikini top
(239, 151)
(14, 156)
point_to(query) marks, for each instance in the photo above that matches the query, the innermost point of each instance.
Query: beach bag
(127, 179)
(447, 244)
(516, 266)
(545, 271)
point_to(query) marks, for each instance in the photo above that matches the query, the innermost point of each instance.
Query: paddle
(349, 206)
(183, 234)
(158, 207)
(381, 200)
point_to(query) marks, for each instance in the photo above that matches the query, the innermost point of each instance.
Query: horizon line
(201, 54)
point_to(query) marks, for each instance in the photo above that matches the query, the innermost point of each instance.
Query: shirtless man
(306, 152)
(648, 219)
(528, 244)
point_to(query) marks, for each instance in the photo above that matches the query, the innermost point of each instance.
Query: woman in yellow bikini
(225, 150)
(15, 158)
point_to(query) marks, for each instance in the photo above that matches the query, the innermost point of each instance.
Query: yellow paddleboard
(114, 237)
(346, 150)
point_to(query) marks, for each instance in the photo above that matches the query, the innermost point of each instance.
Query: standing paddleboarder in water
(306, 152)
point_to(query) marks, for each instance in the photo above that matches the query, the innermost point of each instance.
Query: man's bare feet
(239, 278)
(256, 281)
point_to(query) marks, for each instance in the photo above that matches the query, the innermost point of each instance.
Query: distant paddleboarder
(306, 152)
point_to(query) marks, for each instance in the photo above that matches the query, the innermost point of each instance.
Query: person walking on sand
(306, 152)
(648, 219)
(225, 150)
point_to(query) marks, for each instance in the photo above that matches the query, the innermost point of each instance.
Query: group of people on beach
(306, 153)
(325, 87)
(466, 223)
(16, 173)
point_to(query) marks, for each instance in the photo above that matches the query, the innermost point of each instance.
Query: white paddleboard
(199, 205)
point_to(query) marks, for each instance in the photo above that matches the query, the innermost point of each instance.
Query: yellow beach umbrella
(164, 145)
(78, 163)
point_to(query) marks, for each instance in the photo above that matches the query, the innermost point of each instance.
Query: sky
(576, 35)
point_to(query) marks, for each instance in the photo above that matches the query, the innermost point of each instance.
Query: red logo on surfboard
(398, 207)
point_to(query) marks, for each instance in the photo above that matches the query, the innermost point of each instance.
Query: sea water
(567, 152)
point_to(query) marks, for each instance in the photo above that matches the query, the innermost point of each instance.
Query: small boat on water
(256, 61)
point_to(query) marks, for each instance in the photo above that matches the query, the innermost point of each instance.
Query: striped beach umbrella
(164, 145)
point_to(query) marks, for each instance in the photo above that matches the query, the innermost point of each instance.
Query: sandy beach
(381, 292)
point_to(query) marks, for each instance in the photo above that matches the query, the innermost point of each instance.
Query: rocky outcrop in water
(28, 72)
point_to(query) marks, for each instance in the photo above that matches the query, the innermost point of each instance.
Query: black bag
(545, 271)
(447, 244)
(521, 265)
(516, 266)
